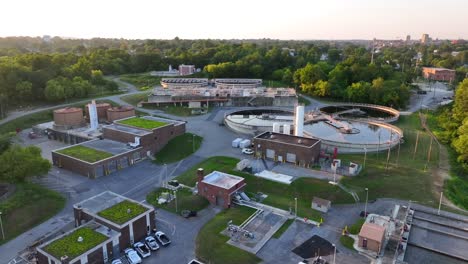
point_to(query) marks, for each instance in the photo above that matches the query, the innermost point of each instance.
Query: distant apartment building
(186, 69)
(425, 39)
(438, 74)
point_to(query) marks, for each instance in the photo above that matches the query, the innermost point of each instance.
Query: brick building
(438, 74)
(186, 69)
(125, 145)
(219, 187)
(287, 148)
(371, 236)
(108, 222)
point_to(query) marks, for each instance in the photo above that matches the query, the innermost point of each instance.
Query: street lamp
(440, 202)
(367, 197)
(1, 226)
(334, 253)
(193, 142)
(295, 208)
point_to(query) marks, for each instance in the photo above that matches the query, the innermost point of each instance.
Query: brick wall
(304, 156)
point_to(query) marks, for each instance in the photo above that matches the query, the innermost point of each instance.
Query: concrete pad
(274, 176)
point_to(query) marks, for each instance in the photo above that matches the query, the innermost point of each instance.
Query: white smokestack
(287, 129)
(276, 127)
(93, 117)
(299, 121)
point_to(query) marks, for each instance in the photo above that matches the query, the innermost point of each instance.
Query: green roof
(69, 246)
(142, 123)
(84, 153)
(120, 213)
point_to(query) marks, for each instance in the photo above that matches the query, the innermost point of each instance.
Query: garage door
(219, 201)
(291, 157)
(270, 154)
(124, 162)
(112, 166)
(99, 171)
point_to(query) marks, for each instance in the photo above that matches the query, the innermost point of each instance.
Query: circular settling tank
(255, 121)
(354, 136)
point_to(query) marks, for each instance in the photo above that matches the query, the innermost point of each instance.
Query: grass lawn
(356, 227)
(122, 212)
(179, 148)
(347, 242)
(279, 195)
(143, 81)
(185, 201)
(283, 228)
(69, 245)
(134, 99)
(142, 123)
(408, 176)
(175, 110)
(29, 206)
(30, 120)
(84, 153)
(211, 246)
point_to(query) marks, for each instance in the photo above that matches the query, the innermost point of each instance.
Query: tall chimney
(299, 121)
(200, 174)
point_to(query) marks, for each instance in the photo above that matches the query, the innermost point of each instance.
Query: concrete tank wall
(116, 113)
(68, 117)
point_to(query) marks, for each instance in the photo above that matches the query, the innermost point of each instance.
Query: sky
(235, 19)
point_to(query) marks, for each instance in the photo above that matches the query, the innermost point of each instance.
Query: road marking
(168, 223)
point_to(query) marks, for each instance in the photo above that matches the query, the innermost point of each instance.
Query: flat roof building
(184, 82)
(439, 74)
(218, 187)
(279, 147)
(320, 204)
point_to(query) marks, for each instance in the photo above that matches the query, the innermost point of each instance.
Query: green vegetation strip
(122, 212)
(179, 148)
(347, 242)
(84, 153)
(356, 227)
(143, 81)
(211, 246)
(69, 245)
(185, 201)
(142, 123)
(29, 206)
(279, 195)
(283, 228)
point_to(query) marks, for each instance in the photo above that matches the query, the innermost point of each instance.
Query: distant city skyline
(242, 19)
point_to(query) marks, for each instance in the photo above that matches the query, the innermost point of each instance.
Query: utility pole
(389, 147)
(175, 195)
(416, 146)
(365, 157)
(398, 153)
(440, 202)
(367, 197)
(295, 208)
(429, 153)
(1, 226)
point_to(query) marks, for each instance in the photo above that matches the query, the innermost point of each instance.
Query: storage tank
(287, 129)
(101, 111)
(276, 127)
(68, 118)
(120, 112)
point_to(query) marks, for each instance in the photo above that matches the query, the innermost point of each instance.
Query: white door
(291, 157)
(280, 158)
(270, 154)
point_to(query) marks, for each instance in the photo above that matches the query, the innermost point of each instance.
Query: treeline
(55, 69)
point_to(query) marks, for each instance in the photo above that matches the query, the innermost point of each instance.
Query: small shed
(371, 237)
(320, 204)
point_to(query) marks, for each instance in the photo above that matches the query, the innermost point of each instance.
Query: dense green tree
(358, 92)
(20, 163)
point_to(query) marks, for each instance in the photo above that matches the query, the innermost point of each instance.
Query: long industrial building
(196, 93)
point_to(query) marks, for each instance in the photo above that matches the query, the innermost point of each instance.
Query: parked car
(151, 243)
(188, 213)
(132, 256)
(422, 92)
(162, 238)
(362, 214)
(247, 151)
(116, 261)
(142, 249)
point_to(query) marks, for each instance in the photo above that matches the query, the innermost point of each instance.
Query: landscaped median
(70, 246)
(179, 148)
(185, 200)
(211, 246)
(84, 153)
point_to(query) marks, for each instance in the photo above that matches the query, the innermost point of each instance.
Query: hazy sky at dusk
(293, 19)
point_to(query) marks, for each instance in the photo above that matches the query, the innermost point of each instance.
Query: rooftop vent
(80, 239)
(129, 211)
